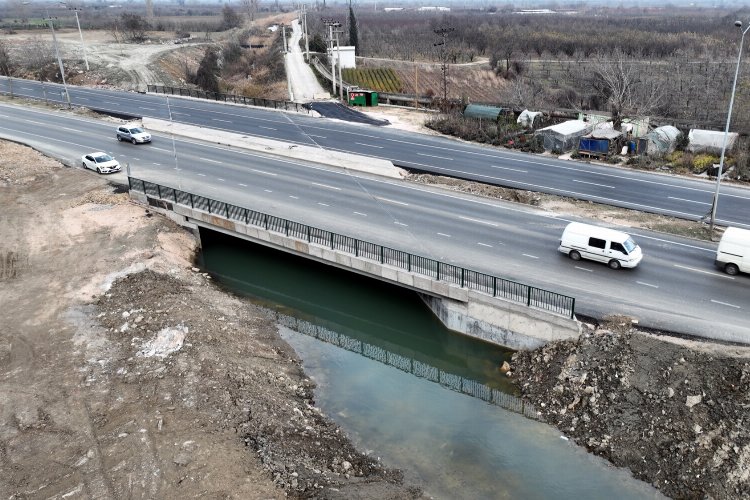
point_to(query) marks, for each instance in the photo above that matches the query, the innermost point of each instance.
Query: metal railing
(434, 269)
(234, 98)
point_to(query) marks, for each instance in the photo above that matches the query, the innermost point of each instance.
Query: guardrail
(234, 98)
(434, 269)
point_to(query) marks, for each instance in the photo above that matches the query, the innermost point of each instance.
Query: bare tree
(7, 66)
(38, 55)
(251, 8)
(628, 90)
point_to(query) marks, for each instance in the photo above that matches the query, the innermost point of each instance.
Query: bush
(703, 161)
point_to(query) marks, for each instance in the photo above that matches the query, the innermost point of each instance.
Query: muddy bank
(126, 373)
(674, 412)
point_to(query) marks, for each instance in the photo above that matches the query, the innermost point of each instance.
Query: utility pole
(443, 32)
(59, 61)
(283, 36)
(332, 23)
(83, 45)
(307, 36)
(338, 60)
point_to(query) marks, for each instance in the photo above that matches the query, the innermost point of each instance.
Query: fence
(234, 98)
(434, 269)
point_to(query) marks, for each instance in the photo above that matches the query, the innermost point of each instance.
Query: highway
(650, 192)
(676, 287)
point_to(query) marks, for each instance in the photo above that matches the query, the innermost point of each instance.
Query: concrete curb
(279, 148)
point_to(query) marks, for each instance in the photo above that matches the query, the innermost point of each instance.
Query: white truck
(615, 248)
(733, 254)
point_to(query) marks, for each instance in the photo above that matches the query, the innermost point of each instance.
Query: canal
(421, 398)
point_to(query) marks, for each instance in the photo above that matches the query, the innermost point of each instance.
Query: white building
(347, 56)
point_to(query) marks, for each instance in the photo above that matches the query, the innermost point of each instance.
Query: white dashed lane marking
(725, 304)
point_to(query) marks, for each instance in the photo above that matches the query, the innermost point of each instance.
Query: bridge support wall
(471, 313)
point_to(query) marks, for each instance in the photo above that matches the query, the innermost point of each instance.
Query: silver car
(136, 135)
(101, 162)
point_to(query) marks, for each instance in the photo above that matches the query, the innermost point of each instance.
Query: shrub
(703, 161)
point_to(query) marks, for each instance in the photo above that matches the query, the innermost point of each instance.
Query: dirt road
(125, 373)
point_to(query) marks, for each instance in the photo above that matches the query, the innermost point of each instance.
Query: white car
(136, 135)
(101, 162)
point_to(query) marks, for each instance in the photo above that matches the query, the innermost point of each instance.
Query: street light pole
(726, 130)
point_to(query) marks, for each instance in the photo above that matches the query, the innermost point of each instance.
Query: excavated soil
(126, 373)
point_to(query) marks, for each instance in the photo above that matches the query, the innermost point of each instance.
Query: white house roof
(570, 127)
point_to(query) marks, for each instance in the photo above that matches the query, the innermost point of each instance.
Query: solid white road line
(400, 223)
(294, 197)
(484, 244)
(267, 128)
(530, 256)
(323, 204)
(360, 213)
(443, 234)
(209, 159)
(243, 185)
(584, 269)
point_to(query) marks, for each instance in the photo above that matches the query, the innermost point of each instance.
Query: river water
(406, 390)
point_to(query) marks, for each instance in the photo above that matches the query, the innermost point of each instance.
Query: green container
(373, 99)
(357, 98)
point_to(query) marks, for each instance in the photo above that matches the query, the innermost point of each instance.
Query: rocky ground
(674, 412)
(126, 373)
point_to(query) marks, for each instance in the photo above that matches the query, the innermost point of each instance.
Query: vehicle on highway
(733, 254)
(136, 135)
(101, 162)
(615, 248)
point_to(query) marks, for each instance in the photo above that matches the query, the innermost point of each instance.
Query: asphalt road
(680, 197)
(676, 286)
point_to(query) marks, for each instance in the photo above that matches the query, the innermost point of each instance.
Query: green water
(405, 389)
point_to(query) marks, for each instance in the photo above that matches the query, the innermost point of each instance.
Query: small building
(601, 141)
(347, 56)
(563, 136)
(482, 111)
(662, 140)
(527, 118)
(710, 141)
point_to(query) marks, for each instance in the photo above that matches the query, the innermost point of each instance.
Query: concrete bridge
(482, 306)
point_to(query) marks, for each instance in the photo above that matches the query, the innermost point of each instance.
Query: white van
(733, 254)
(615, 248)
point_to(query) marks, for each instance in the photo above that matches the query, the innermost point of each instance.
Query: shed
(662, 140)
(600, 141)
(482, 111)
(709, 141)
(563, 136)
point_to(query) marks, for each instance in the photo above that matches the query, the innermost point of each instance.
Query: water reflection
(410, 365)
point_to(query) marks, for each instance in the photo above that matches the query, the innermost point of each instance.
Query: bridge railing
(440, 271)
(234, 98)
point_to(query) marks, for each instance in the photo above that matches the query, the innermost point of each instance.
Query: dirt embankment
(126, 373)
(674, 412)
